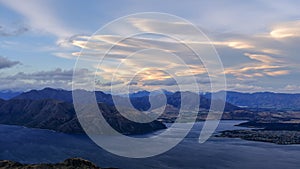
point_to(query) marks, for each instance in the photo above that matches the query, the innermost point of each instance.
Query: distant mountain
(139, 100)
(175, 100)
(46, 93)
(61, 95)
(60, 116)
(52, 109)
(267, 100)
(6, 95)
(144, 93)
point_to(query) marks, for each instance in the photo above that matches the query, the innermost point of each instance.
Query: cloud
(142, 59)
(108, 84)
(249, 50)
(40, 17)
(236, 44)
(286, 30)
(265, 55)
(66, 55)
(256, 70)
(57, 78)
(53, 75)
(245, 87)
(13, 32)
(6, 63)
(261, 57)
(277, 73)
(165, 82)
(292, 87)
(244, 56)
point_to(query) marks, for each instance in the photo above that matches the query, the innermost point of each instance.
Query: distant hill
(60, 116)
(6, 95)
(266, 100)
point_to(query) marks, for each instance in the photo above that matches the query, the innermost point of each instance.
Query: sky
(257, 42)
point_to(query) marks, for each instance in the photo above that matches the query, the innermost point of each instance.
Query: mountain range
(262, 100)
(139, 100)
(53, 109)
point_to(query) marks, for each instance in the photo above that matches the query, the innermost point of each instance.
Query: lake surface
(35, 146)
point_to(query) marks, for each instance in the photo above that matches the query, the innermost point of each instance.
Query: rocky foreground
(72, 163)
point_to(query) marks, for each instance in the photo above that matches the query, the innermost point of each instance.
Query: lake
(35, 146)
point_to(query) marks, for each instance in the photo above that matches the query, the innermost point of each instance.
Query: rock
(72, 163)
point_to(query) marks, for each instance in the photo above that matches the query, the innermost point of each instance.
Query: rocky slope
(72, 163)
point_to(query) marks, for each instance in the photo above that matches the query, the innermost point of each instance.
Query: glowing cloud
(286, 30)
(261, 58)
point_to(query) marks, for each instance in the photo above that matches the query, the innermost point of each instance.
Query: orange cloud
(277, 73)
(286, 30)
(261, 58)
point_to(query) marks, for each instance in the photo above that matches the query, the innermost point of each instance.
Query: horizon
(133, 92)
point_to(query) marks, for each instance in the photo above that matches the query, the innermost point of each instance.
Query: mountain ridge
(140, 102)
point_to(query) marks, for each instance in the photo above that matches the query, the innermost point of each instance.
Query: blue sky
(257, 40)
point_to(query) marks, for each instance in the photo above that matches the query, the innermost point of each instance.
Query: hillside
(60, 116)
